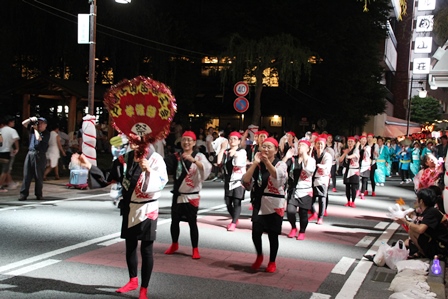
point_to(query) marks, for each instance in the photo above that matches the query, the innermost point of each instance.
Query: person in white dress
(54, 153)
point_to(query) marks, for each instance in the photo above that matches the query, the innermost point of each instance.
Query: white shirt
(9, 136)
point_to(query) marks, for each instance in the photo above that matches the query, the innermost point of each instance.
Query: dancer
(270, 177)
(414, 167)
(303, 170)
(365, 164)
(405, 161)
(383, 163)
(142, 181)
(321, 177)
(190, 168)
(373, 157)
(233, 161)
(350, 160)
(336, 148)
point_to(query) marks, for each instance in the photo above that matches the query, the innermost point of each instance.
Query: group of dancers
(288, 177)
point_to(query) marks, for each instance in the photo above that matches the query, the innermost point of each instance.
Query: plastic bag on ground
(379, 258)
(395, 254)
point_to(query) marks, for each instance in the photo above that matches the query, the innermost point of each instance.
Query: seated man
(428, 232)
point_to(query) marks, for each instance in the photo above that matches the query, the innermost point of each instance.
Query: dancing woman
(142, 181)
(269, 174)
(350, 160)
(233, 161)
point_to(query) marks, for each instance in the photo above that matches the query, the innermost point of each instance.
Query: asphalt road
(68, 246)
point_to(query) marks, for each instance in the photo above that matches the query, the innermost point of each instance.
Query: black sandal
(369, 257)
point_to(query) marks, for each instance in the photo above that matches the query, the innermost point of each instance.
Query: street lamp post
(92, 50)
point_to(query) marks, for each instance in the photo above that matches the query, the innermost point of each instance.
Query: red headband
(236, 134)
(321, 139)
(264, 133)
(291, 133)
(271, 140)
(305, 141)
(190, 134)
(351, 138)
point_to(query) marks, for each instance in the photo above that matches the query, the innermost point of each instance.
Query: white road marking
(343, 265)
(51, 201)
(32, 267)
(356, 278)
(365, 242)
(111, 242)
(47, 255)
(112, 239)
(320, 296)
(381, 225)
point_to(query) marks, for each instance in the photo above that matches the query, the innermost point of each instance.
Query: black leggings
(364, 184)
(194, 232)
(372, 176)
(233, 207)
(303, 217)
(350, 189)
(257, 232)
(333, 175)
(146, 250)
(404, 173)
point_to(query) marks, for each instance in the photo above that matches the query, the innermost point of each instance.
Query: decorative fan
(142, 109)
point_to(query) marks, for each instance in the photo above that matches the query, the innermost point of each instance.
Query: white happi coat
(271, 204)
(353, 168)
(365, 163)
(149, 187)
(239, 161)
(304, 186)
(192, 183)
(323, 170)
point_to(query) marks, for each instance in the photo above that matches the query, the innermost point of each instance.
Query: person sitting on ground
(428, 232)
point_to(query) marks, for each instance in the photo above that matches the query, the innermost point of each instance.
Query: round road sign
(241, 89)
(241, 105)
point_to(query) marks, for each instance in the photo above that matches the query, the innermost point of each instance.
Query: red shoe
(271, 267)
(258, 261)
(173, 248)
(130, 286)
(334, 190)
(353, 205)
(292, 233)
(231, 227)
(301, 236)
(349, 204)
(373, 194)
(312, 217)
(325, 213)
(320, 221)
(362, 196)
(143, 293)
(366, 193)
(195, 254)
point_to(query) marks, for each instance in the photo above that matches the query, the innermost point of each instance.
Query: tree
(441, 26)
(425, 110)
(250, 58)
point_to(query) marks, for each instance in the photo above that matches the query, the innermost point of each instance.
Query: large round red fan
(142, 109)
